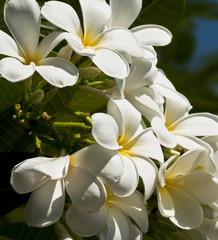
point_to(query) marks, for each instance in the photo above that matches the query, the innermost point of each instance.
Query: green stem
(95, 91)
(73, 125)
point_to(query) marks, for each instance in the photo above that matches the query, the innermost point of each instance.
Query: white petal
(120, 40)
(24, 178)
(62, 15)
(124, 12)
(190, 142)
(145, 144)
(14, 71)
(162, 80)
(8, 46)
(45, 204)
(197, 124)
(188, 212)
(199, 185)
(86, 224)
(176, 107)
(129, 180)
(106, 164)
(65, 52)
(190, 161)
(49, 42)
(213, 141)
(134, 207)
(23, 19)
(165, 202)
(142, 99)
(86, 191)
(58, 72)
(142, 73)
(165, 137)
(55, 168)
(127, 118)
(210, 228)
(155, 35)
(135, 233)
(111, 63)
(147, 170)
(118, 225)
(105, 131)
(96, 14)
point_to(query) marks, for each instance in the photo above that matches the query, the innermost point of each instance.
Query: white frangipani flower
(125, 12)
(47, 179)
(112, 220)
(185, 185)
(26, 54)
(101, 46)
(120, 132)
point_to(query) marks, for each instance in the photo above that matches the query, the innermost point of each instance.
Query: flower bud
(36, 97)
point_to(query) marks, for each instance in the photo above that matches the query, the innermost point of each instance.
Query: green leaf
(163, 12)
(10, 93)
(70, 99)
(20, 231)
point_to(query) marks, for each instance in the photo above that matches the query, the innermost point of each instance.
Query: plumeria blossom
(26, 54)
(101, 46)
(147, 88)
(120, 132)
(186, 184)
(47, 179)
(112, 220)
(125, 12)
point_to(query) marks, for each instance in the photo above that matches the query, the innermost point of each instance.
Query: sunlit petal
(106, 164)
(14, 71)
(127, 117)
(86, 224)
(58, 72)
(88, 194)
(155, 35)
(96, 14)
(62, 15)
(124, 12)
(111, 63)
(105, 131)
(45, 204)
(23, 19)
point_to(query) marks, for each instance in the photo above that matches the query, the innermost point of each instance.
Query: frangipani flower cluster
(145, 145)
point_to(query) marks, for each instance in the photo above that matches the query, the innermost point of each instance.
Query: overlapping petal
(24, 178)
(155, 35)
(188, 212)
(147, 170)
(105, 131)
(127, 118)
(63, 16)
(106, 164)
(96, 14)
(124, 12)
(118, 39)
(86, 191)
(196, 124)
(57, 71)
(14, 71)
(23, 20)
(86, 224)
(45, 204)
(111, 63)
(145, 144)
(8, 46)
(128, 181)
(165, 137)
(134, 207)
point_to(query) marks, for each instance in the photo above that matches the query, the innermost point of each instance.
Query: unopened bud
(89, 72)
(37, 96)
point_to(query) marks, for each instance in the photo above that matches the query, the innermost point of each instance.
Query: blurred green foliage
(200, 83)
